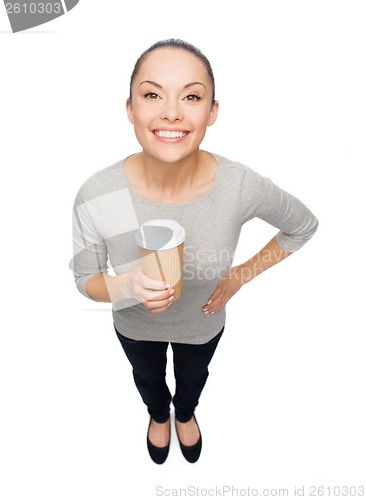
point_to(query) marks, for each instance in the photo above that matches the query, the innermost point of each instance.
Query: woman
(171, 104)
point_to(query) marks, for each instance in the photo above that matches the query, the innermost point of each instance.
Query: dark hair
(176, 44)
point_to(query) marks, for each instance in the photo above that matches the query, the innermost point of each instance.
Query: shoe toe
(191, 453)
(157, 454)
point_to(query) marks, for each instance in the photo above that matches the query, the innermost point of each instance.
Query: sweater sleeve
(263, 199)
(89, 248)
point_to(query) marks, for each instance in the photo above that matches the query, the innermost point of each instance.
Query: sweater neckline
(146, 201)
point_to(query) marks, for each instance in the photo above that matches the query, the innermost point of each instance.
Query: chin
(171, 156)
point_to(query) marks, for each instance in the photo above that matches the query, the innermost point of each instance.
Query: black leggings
(148, 360)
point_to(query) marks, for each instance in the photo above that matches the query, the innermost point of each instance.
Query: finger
(214, 297)
(152, 284)
(216, 309)
(217, 293)
(158, 301)
(159, 310)
(155, 305)
(214, 306)
(158, 295)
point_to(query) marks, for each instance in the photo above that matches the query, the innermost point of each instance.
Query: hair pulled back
(176, 44)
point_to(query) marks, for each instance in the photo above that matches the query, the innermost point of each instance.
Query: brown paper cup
(165, 265)
(161, 243)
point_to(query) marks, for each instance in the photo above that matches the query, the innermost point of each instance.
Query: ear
(129, 110)
(213, 113)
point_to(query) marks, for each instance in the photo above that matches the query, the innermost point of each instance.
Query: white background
(284, 405)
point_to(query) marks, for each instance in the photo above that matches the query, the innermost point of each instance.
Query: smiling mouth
(170, 134)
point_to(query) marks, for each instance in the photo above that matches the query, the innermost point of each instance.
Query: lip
(170, 140)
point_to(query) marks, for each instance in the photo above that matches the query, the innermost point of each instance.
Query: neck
(170, 178)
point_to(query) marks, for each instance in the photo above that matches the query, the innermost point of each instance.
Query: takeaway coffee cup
(161, 243)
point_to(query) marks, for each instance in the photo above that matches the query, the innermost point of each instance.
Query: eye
(153, 96)
(193, 97)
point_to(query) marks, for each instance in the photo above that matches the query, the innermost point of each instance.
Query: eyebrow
(160, 86)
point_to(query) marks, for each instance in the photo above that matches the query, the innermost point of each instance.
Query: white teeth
(169, 134)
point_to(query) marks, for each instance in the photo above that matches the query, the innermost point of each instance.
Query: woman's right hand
(155, 295)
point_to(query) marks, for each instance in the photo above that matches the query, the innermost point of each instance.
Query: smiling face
(171, 104)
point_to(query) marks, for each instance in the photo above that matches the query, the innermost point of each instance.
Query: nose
(171, 111)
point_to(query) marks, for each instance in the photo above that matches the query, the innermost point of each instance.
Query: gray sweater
(107, 213)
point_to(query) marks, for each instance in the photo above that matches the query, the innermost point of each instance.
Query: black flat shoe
(158, 454)
(191, 453)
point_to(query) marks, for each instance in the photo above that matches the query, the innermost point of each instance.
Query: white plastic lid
(160, 234)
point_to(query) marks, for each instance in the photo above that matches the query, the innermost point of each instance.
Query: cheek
(200, 121)
(143, 115)
(139, 118)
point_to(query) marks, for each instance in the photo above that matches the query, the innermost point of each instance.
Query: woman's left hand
(226, 288)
